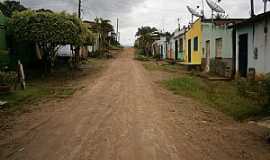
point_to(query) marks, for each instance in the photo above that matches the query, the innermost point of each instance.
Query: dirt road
(125, 115)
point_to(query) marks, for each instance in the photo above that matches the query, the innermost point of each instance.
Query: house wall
(181, 54)
(194, 31)
(171, 49)
(223, 65)
(212, 32)
(163, 47)
(262, 45)
(260, 42)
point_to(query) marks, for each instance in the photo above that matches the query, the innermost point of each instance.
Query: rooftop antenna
(193, 13)
(252, 14)
(215, 7)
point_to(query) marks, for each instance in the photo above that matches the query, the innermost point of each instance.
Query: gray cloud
(134, 13)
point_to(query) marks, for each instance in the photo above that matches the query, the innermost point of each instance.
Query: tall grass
(222, 96)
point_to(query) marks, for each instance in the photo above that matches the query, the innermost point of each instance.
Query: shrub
(139, 55)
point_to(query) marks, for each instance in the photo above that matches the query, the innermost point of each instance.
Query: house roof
(255, 19)
(222, 22)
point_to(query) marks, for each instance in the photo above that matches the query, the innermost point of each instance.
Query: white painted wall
(212, 32)
(261, 42)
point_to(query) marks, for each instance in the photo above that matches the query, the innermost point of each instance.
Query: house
(178, 44)
(156, 48)
(217, 46)
(160, 47)
(253, 46)
(193, 44)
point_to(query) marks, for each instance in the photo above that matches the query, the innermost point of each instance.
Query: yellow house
(193, 51)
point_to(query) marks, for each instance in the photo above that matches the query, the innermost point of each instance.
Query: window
(195, 43)
(181, 45)
(218, 47)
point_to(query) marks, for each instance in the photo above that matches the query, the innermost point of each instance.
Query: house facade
(253, 47)
(193, 44)
(177, 45)
(218, 46)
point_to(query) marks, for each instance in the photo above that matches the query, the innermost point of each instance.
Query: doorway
(243, 55)
(176, 50)
(189, 51)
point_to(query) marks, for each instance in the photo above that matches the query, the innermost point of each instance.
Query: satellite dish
(193, 12)
(214, 6)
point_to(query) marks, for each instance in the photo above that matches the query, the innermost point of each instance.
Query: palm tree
(103, 27)
(146, 36)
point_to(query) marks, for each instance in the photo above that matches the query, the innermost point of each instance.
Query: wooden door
(176, 50)
(243, 55)
(189, 51)
(219, 48)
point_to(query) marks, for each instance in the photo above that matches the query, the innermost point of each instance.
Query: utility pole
(117, 29)
(265, 5)
(80, 9)
(252, 8)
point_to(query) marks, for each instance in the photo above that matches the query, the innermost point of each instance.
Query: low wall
(222, 67)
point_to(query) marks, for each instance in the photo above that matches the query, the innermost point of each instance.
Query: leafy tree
(49, 30)
(146, 36)
(8, 7)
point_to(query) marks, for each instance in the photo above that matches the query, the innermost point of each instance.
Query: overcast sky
(132, 14)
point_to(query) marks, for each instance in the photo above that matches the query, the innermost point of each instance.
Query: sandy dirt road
(125, 115)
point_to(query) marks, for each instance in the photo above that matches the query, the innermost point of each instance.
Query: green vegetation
(223, 96)
(139, 55)
(62, 83)
(146, 36)
(49, 30)
(161, 67)
(34, 92)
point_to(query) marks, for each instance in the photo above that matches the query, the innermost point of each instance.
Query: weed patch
(222, 96)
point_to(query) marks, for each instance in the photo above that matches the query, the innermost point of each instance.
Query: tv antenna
(215, 7)
(193, 13)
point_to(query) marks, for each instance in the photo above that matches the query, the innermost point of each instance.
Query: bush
(157, 56)
(255, 90)
(222, 96)
(266, 87)
(139, 55)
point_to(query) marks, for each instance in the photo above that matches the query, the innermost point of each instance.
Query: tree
(102, 27)
(8, 7)
(49, 30)
(146, 36)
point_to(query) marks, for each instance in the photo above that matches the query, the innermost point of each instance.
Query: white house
(253, 46)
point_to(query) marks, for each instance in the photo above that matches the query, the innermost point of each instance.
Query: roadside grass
(33, 94)
(139, 55)
(61, 84)
(152, 66)
(222, 96)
